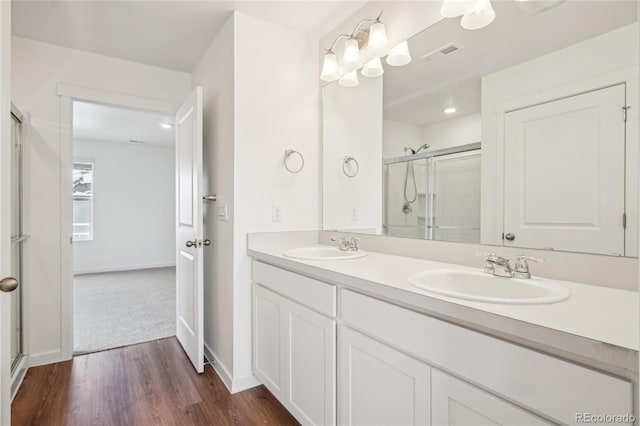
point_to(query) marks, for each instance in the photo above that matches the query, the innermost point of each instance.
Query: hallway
(147, 384)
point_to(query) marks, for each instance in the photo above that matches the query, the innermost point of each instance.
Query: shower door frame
(424, 155)
(20, 364)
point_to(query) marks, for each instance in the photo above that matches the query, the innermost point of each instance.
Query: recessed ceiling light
(166, 126)
(450, 110)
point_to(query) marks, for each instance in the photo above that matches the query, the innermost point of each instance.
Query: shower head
(423, 146)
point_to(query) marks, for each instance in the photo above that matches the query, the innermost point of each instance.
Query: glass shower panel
(456, 197)
(406, 199)
(17, 239)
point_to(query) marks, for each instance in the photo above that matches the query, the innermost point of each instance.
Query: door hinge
(624, 220)
(503, 235)
(624, 112)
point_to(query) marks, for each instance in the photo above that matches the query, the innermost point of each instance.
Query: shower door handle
(8, 284)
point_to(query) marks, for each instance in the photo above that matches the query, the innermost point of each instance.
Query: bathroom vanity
(353, 342)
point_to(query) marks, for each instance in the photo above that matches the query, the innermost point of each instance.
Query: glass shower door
(17, 239)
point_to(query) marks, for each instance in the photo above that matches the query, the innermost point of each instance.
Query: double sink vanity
(362, 337)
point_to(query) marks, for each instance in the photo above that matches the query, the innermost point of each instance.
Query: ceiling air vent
(440, 53)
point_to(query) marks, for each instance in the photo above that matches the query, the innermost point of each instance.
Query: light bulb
(350, 79)
(399, 55)
(373, 68)
(455, 8)
(480, 16)
(450, 110)
(377, 45)
(351, 57)
(330, 68)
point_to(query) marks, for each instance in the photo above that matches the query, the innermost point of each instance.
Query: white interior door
(564, 174)
(189, 228)
(5, 212)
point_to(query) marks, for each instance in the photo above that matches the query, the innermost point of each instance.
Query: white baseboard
(124, 268)
(234, 385)
(43, 358)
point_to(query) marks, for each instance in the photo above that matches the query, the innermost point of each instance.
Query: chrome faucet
(344, 244)
(501, 267)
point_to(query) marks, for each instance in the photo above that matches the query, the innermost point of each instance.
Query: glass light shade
(350, 79)
(351, 57)
(480, 16)
(330, 70)
(455, 8)
(373, 68)
(377, 45)
(399, 55)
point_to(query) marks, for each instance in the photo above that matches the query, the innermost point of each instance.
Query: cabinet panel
(268, 339)
(543, 383)
(379, 385)
(312, 365)
(457, 403)
(314, 294)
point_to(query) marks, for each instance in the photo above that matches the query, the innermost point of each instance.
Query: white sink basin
(482, 287)
(323, 253)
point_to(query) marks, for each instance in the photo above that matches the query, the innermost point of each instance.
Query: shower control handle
(8, 284)
(510, 236)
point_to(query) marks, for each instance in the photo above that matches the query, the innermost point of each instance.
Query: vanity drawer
(314, 294)
(553, 387)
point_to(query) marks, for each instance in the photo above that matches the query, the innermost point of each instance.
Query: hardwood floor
(147, 384)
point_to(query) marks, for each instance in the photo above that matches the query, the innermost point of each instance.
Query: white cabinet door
(294, 356)
(564, 173)
(380, 385)
(269, 337)
(311, 361)
(457, 403)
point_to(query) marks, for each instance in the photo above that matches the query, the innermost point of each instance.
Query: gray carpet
(123, 308)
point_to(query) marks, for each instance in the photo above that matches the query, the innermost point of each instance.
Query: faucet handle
(521, 268)
(489, 256)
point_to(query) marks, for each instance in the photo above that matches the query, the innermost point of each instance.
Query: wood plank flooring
(146, 384)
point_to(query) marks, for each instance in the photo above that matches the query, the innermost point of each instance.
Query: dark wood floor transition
(147, 384)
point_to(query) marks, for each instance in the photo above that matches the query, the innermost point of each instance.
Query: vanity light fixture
(450, 110)
(476, 14)
(399, 55)
(363, 48)
(373, 68)
(350, 79)
(166, 126)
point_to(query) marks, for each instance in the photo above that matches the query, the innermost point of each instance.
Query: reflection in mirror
(518, 134)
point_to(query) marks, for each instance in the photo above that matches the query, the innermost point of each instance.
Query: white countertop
(596, 323)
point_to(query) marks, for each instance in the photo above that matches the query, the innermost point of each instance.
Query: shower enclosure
(434, 195)
(18, 367)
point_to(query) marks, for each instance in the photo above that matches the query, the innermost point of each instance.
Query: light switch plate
(223, 213)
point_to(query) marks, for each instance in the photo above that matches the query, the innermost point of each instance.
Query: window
(83, 201)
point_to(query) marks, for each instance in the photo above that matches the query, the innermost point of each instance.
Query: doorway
(124, 285)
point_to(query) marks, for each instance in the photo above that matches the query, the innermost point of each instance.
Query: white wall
(598, 62)
(133, 209)
(37, 68)
(261, 98)
(396, 135)
(276, 108)
(215, 73)
(456, 131)
(352, 126)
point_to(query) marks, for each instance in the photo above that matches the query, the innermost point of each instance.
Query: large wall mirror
(518, 134)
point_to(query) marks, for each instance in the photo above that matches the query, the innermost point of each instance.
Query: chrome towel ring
(345, 165)
(288, 153)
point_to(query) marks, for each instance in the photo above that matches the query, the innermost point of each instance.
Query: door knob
(8, 284)
(510, 236)
(191, 243)
(207, 242)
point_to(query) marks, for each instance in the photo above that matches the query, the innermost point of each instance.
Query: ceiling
(103, 123)
(167, 34)
(419, 92)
